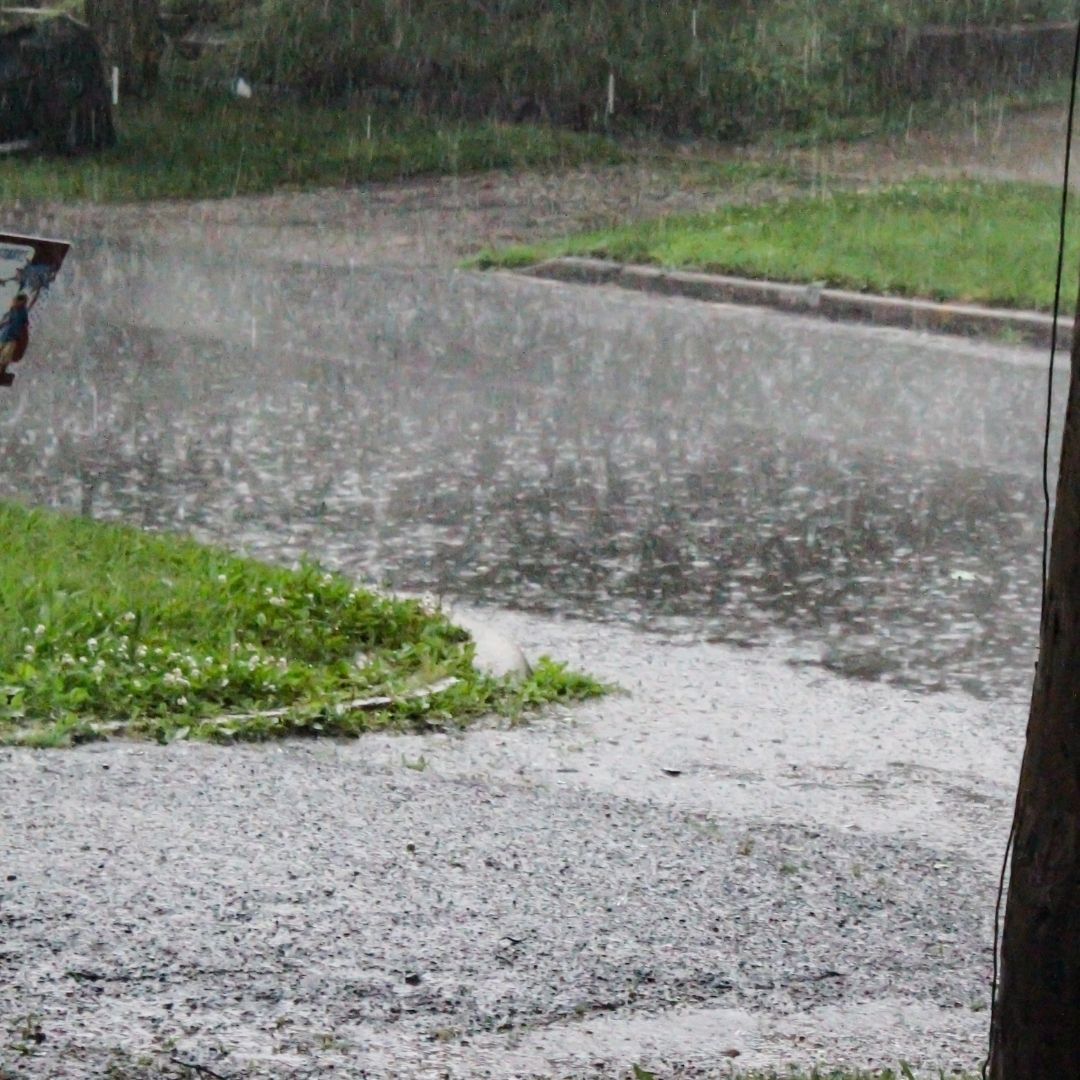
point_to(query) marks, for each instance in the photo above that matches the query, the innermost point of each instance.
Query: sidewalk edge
(839, 305)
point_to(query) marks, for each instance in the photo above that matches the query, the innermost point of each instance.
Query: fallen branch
(338, 708)
(194, 1066)
(356, 705)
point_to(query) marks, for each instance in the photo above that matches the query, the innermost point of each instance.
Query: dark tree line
(130, 36)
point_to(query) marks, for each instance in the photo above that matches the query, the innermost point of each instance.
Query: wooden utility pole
(129, 33)
(1037, 1028)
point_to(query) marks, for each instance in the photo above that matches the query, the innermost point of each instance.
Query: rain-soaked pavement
(781, 851)
(867, 499)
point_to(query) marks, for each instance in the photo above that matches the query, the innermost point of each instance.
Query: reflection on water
(512, 455)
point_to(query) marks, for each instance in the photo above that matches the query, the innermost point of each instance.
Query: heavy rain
(867, 500)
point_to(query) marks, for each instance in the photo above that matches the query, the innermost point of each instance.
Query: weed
(27, 1034)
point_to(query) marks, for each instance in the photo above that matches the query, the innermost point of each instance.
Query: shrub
(716, 66)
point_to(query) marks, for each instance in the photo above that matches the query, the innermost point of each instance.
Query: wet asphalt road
(865, 500)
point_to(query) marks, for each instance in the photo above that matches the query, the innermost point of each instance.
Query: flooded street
(806, 553)
(868, 501)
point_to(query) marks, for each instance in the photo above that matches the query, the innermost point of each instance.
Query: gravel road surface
(734, 860)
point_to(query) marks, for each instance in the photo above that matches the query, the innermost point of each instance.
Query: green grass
(105, 627)
(992, 243)
(187, 145)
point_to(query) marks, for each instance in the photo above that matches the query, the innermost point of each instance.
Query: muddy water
(866, 499)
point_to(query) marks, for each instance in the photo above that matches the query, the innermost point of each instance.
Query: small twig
(82, 975)
(202, 1070)
(355, 705)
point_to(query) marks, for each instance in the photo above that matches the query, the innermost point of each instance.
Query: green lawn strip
(969, 241)
(104, 628)
(199, 145)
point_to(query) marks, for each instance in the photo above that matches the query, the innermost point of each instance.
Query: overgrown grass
(993, 243)
(189, 144)
(105, 628)
(726, 70)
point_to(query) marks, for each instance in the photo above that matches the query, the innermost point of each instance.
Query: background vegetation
(215, 145)
(721, 67)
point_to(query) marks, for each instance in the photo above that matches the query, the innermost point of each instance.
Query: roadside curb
(967, 320)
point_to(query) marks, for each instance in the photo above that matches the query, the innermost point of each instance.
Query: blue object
(15, 322)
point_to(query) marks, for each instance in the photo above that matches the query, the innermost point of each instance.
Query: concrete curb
(969, 320)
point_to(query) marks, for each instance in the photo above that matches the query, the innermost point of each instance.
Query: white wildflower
(39, 629)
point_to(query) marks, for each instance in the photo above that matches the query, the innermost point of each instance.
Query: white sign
(13, 259)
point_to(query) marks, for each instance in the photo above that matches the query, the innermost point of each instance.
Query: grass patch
(187, 144)
(984, 242)
(106, 628)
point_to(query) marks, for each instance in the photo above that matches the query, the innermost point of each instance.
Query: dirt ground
(1021, 145)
